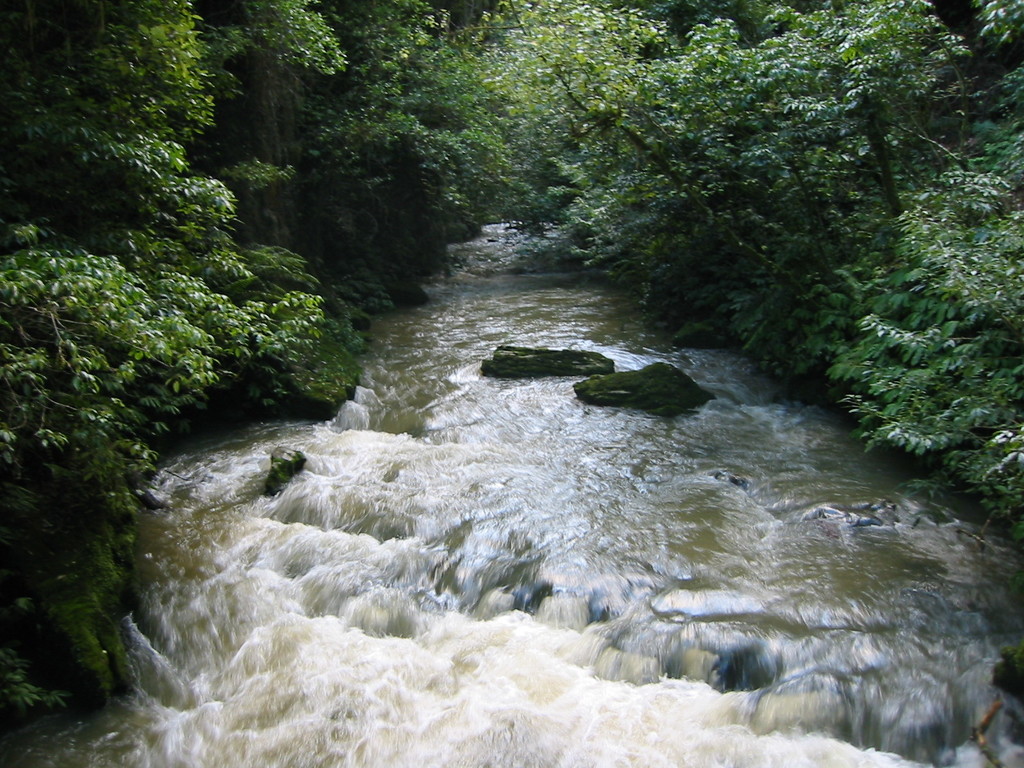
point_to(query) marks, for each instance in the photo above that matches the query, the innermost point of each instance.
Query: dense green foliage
(182, 191)
(370, 171)
(407, 155)
(201, 199)
(122, 307)
(833, 186)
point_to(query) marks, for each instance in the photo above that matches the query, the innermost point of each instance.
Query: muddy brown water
(479, 572)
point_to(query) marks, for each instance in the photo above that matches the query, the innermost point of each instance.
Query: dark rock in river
(525, 362)
(407, 294)
(746, 668)
(855, 515)
(660, 388)
(1009, 670)
(728, 477)
(147, 497)
(150, 500)
(699, 335)
(528, 597)
(284, 465)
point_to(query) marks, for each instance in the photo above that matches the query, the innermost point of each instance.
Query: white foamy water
(476, 572)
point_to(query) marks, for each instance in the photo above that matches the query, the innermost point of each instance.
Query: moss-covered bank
(323, 378)
(1008, 673)
(67, 539)
(68, 562)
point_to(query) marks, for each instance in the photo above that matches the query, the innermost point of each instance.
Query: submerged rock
(810, 701)
(746, 667)
(728, 477)
(660, 388)
(627, 666)
(147, 496)
(284, 465)
(511, 362)
(150, 500)
(855, 515)
(841, 516)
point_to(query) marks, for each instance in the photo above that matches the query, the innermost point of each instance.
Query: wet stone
(284, 465)
(745, 668)
(855, 515)
(726, 476)
(511, 362)
(660, 388)
(528, 597)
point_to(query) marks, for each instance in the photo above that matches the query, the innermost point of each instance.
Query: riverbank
(492, 569)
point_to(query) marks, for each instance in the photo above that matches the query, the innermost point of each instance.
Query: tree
(936, 369)
(795, 176)
(401, 153)
(743, 167)
(124, 302)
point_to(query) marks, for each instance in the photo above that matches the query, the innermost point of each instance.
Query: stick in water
(978, 736)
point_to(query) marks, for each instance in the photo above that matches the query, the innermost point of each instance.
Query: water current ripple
(476, 572)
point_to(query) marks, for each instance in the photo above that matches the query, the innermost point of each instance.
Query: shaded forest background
(203, 201)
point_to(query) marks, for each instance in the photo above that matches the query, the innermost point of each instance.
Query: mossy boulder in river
(284, 465)
(660, 388)
(1009, 670)
(525, 362)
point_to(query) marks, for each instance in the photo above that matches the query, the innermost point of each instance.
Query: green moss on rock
(1009, 670)
(284, 465)
(660, 388)
(525, 362)
(74, 557)
(323, 378)
(699, 335)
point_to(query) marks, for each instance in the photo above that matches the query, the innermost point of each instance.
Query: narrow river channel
(477, 572)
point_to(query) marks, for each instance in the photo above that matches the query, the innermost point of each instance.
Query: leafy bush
(938, 367)
(17, 694)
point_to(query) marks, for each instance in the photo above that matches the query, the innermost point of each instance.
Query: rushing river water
(476, 572)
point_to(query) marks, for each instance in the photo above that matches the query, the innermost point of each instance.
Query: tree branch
(978, 735)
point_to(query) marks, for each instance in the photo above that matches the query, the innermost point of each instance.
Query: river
(479, 572)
